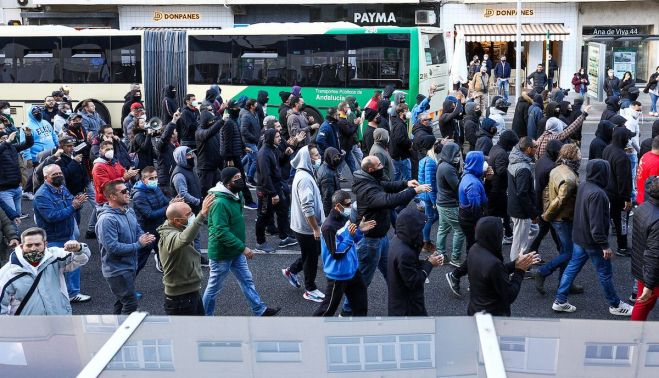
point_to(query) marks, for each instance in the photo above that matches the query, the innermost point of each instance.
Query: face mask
(6, 111)
(33, 257)
(58, 181)
(75, 124)
(316, 163)
(190, 162)
(349, 111)
(143, 117)
(191, 220)
(68, 112)
(303, 106)
(408, 115)
(478, 113)
(378, 174)
(37, 116)
(346, 212)
(109, 155)
(237, 186)
(152, 183)
(195, 104)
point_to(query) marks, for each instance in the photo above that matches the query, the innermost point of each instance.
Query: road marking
(279, 252)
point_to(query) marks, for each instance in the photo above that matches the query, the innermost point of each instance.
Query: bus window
(7, 69)
(435, 51)
(317, 60)
(36, 59)
(209, 59)
(375, 60)
(84, 59)
(259, 60)
(126, 62)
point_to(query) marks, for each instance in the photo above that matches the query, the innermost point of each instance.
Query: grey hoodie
(305, 195)
(447, 176)
(118, 237)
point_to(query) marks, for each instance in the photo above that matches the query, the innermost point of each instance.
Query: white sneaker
(28, 196)
(80, 298)
(313, 296)
(318, 294)
(623, 309)
(507, 240)
(158, 265)
(563, 307)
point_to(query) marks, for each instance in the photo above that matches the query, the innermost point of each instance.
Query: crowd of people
(154, 186)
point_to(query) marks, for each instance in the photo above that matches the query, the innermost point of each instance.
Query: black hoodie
(602, 139)
(261, 101)
(406, 274)
(550, 111)
(208, 142)
(130, 98)
(521, 115)
(646, 144)
(591, 209)
(619, 187)
(268, 175)
(543, 168)
(565, 111)
(498, 160)
(612, 107)
(383, 106)
(327, 177)
(492, 288)
(169, 105)
(448, 121)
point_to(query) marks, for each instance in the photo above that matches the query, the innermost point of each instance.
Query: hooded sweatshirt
(327, 177)
(521, 194)
(486, 133)
(602, 139)
(380, 149)
(226, 225)
(591, 209)
(612, 107)
(268, 173)
(619, 187)
(406, 273)
(118, 237)
(447, 178)
(43, 134)
(521, 116)
(383, 106)
(498, 160)
(535, 115)
(338, 248)
(448, 121)
(543, 168)
(471, 124)
(471, 191)
(261, 105)
(494, 285)
(633, 126)
(169, 105)
(185, 181)
(305, 195)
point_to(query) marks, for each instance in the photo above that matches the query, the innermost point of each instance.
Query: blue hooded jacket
(340, 261)
(471, 192)
(44, 136)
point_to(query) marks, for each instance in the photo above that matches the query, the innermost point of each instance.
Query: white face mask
(195, 104)
(191, 220)
(109, 155)
(68, 112)
(408, 115)
(143, 117)
(349, 111)
(6, 111)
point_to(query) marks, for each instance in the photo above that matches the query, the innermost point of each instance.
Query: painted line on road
(279, 252)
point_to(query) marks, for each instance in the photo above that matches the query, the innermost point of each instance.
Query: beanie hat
(652, 187)
(228, 173)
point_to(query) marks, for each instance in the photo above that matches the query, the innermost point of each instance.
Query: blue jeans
(218, 273)
(12, 197)
(653, 102)
(564, 231)
(633, 160)
(403, 170)
(353, 158)
(372, 254)
(431, 217)
(91, 198)
(604, 273)
(249, 161)
(583, 89)
(504, 88)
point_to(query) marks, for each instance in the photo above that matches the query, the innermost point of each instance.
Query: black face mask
(58, 181)
(37, 116)
(478, 113)
(237, 186)
(75, 125)
(137, 98)
(190, 162)
(378, 174)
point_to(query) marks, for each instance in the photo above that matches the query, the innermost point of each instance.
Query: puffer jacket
(562, 194)
(521, 194)
(51, 296)
(400, 144)
(11, 171)
(471, 124)
(231, 142)
(428, 175)
(208, 142)
(165, 152)
(150, 205)
(645, 243)
(250, 128)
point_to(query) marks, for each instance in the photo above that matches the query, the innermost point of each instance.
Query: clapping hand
(366, 226)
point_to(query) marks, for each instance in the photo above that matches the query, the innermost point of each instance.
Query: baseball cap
(136, 105)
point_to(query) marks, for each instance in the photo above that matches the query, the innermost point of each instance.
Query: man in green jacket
(180, 260)
(226, 244)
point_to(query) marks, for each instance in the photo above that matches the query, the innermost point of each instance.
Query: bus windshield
(435, 50)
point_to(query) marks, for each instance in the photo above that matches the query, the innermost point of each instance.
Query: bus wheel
(101, 109)
(313, 112)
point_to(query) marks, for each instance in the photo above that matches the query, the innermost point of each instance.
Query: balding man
(55, 210)
(181, 262)
(376, 198)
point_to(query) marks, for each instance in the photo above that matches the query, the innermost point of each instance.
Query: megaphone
(154, 124)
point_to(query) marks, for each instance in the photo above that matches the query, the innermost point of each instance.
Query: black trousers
(265, 216)
(544, 228)
(620, 220)
(208, 178)
(247, 195)
(497, 206)
(308, 261)
(470, 237)
(354, 289)
(184, 304)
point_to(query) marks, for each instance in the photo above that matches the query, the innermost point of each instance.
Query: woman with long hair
(580, 81)
(653, 89)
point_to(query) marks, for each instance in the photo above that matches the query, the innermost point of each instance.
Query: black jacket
(471, 123)
(169, 105)
(646, 144)
(187, 126)
(209, 146)
(619, 187)
(498, 160)
(400, 144)
(268, 173)
(367, 137)
(423, 137)
(612, 107)
(328, 178)
(74, 173)
(602, 139)
(521, 116)
(347, 131)
(492, 288)
(448, 121)
(11, 171)
(447, 177)
(591, 209)
(283, 117)
(543, 168)
(165, 153)
(231, 142)
(626, 88)
(250, 128)
(142, 145)
(261, 102)
(645, 243)
(406, 274)
(383, 107)
(376, 199)
(521, 194)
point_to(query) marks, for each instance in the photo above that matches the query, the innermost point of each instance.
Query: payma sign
(374, 18)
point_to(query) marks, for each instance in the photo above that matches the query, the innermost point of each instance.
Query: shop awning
(508, 32)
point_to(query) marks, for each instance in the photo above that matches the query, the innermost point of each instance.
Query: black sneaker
(624, 252)
(632, 298)
(204, 261)
(90, 235)
(454, 284)
(271, 311)
(539, 282)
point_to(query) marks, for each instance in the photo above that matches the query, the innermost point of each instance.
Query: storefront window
(375, 61)
(84, 59)
(317, 60)
(260, 60)
(209, 59)
(629, 56)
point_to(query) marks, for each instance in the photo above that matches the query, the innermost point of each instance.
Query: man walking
(619, 186)
(502, 74)
(521, 195)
